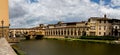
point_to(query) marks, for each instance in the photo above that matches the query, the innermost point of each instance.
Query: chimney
(105, 16)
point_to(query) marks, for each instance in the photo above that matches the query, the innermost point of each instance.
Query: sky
(31, 13)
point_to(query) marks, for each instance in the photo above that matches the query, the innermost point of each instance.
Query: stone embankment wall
(5, 48)
(54, 37)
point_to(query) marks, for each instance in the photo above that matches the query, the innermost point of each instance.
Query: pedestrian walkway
(5, 48)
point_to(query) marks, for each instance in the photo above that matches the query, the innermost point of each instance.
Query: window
(109, 33)
(100, 21)
(104, 27)
(92, 33)
(104, 33)
(99, 27)
(99, 33)
(87, 29)
(115, 27)
(105, 21)
(92, 27)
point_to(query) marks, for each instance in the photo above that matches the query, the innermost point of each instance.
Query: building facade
(95, 26)
(99, 26)
(71, 29)
(4, 19)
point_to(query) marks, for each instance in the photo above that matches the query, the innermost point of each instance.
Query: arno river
(61, 47)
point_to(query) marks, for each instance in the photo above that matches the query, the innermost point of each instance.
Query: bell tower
(4, 19)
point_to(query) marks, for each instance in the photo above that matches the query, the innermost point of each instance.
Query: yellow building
(4, 19)
(67, 30)
(100, 26)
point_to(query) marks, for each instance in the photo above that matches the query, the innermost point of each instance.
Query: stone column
(57, 32)
(45, 32)
(63, 32)
(60, 32)
(70, 32)
(52, 32)
(48, 32)
(14, 32)
(76, 31)
(66, 32)
(73, 29)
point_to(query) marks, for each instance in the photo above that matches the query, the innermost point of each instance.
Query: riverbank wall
(5, 48)
(53, 37)
(85, 40)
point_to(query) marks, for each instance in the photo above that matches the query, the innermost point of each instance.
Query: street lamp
(2, 22)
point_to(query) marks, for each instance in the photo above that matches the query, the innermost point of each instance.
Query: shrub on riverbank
(99, 37)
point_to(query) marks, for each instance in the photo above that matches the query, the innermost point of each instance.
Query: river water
(61, 47)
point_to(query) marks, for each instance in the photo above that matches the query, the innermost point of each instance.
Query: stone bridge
(28, 33)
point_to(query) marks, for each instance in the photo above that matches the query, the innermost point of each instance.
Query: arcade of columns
(74, 32)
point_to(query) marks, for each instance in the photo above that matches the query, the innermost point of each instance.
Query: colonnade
(71, 31)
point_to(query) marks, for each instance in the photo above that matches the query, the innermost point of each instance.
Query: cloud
(29, 13)
(17, 11)
(115, 3)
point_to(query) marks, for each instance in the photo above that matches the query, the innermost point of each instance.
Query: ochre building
(4, 19)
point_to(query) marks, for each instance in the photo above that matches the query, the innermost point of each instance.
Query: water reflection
(60, 47)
